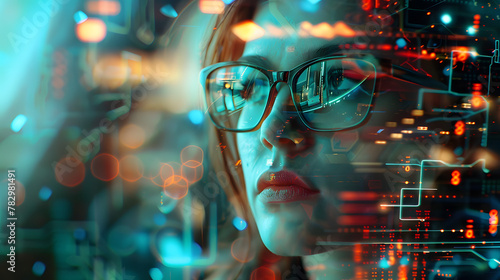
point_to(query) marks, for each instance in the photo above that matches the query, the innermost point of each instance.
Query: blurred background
(99, 114)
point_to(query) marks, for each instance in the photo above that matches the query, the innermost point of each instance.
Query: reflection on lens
(335, 93)
(237, 96)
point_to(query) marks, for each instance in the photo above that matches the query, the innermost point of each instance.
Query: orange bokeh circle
(69, 171)
(192, 155)
(131, 168)
(177, 189)
(105, 167)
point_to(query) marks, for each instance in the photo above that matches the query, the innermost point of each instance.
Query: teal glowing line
(438, 264)
(212, 239)
(188, 238)
(419, 189)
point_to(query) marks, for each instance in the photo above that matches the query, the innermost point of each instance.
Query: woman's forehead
(292, 34)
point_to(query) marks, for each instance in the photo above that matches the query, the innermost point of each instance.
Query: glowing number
(455, 177)
(469, 233)
(459, 128)
(407, 168)
(493, 222)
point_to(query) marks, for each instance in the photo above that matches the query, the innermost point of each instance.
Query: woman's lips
(283, 187)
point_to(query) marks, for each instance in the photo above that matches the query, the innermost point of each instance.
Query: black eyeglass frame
(275, 77)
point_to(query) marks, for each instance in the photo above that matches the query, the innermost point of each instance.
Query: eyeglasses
(328, 94)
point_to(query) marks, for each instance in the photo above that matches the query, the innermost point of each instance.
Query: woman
(318, 109)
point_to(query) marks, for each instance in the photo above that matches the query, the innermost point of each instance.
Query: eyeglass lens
(330, 94)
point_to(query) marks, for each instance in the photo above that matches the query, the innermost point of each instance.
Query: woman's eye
(253, 90)
(335, 77)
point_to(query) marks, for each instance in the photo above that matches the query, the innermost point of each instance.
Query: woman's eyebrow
(255, 59)
(323, 51)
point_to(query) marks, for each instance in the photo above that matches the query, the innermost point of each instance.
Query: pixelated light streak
(248, 30)
(325, 30)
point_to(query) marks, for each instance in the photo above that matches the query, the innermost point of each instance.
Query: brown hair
(222, 45)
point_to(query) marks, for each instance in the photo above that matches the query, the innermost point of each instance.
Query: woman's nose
(282, 129)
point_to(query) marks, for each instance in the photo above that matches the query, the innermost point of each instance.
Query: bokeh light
(241, 251)
(167, 174)
(110, 72)
(104, 7)
(263, 273)
(192, 156)
(446, 18)
(177, 189)
(192, 170)
(169, 11)
(155, 274)
(18, 122)
(69, 171)
(196, 116)
(80, 17)
(92, 30)
(131, 168)
(132, 136)
(45, 193)
(105, 167)
(211, 6)
(248, 31)
(239, 223)
(38, 268)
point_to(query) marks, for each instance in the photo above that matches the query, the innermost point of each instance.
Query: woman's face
(300, 182)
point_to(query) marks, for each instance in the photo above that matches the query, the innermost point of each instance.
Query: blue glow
(446, 18)
(196, 250)
(493, 264)
(80, 17)
(458, 151)
(227, 2)
(380, 130)
(159, 219)
(239, 223)
(79, 234)
(155, 274)
(310, 5)
(38, 268)
(471, 30)
(169, 11)
(404, 261)
(401, 42)
(44, 193)
(384, 263)
(172, 252)
(446, 71)
(18, 123)
(195, 116)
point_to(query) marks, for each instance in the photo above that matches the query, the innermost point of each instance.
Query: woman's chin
(288, 238)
